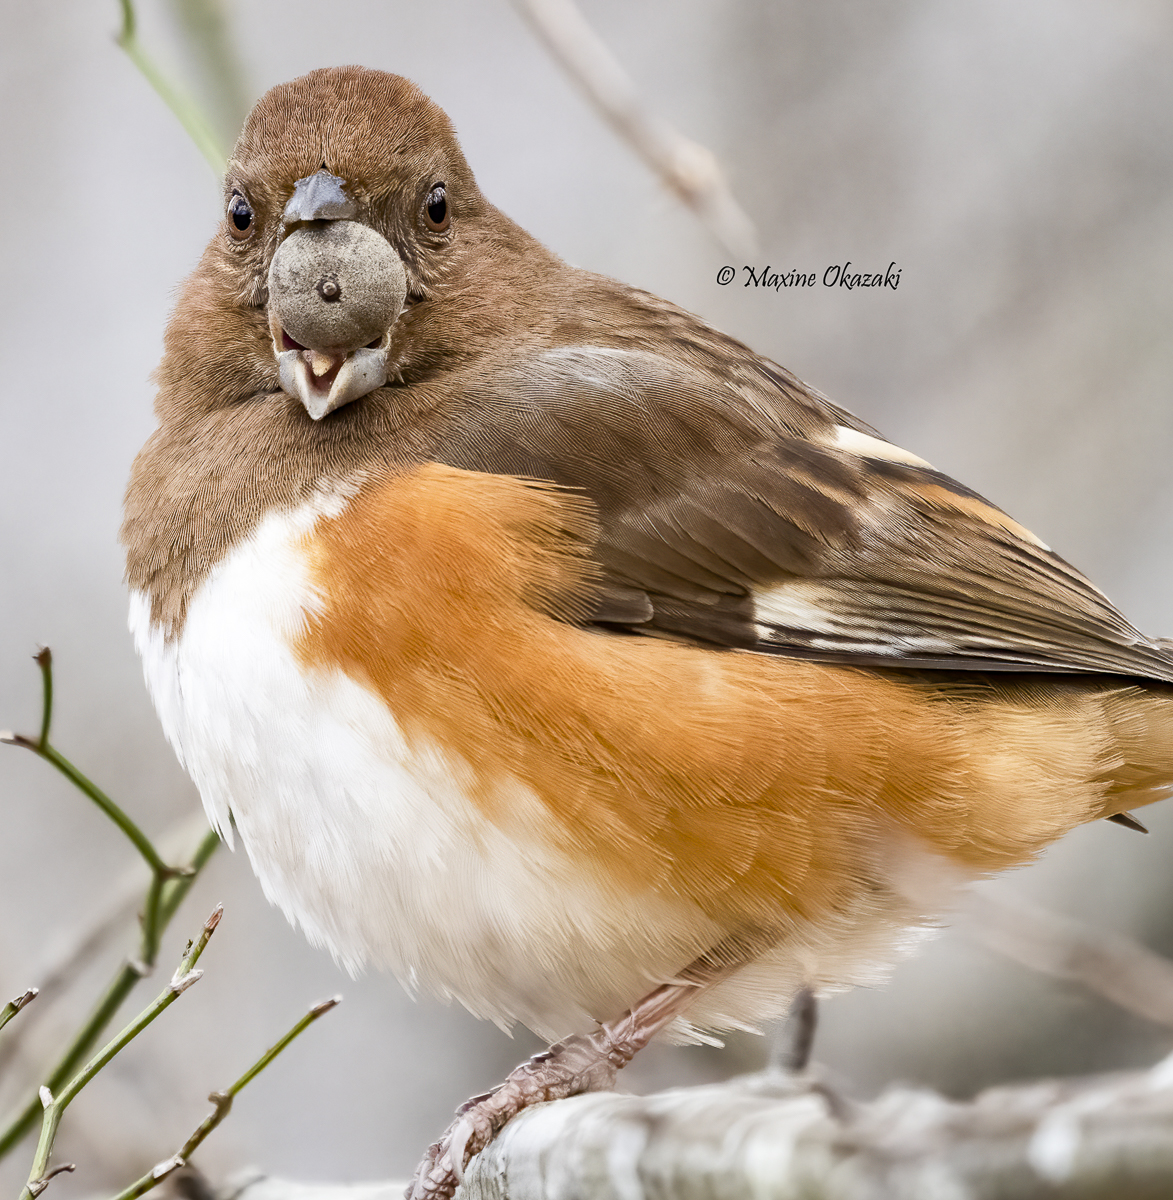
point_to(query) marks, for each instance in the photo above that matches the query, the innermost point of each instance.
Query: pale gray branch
(689, 169)
(1113, 965)
(773, 1137)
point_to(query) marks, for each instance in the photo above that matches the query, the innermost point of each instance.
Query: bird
(555, 651)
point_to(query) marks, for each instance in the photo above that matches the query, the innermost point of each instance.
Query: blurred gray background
(1015, 160)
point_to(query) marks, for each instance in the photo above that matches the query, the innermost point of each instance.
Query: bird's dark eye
(436, 215)
(240, 217)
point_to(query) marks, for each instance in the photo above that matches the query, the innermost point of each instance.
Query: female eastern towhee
(558, 652)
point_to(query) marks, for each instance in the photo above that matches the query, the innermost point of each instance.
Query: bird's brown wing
(748, 512)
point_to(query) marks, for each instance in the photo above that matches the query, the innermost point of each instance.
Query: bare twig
(116, 992)
(207, 39)
(1113, 965)
(140, 841)
(14, 1006)
(188, 112)
(63, 1169)
(169, 885)
(41, 747)
(68, 957)
(688, 168)
(222, 1106)
(166, 892)
(44, 659)
(55, 1104)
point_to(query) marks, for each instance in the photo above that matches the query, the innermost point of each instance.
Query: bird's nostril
(329, 288)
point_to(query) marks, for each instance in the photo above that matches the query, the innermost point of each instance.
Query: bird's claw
(578, 1064)
(442, 1169)
(458, 1140)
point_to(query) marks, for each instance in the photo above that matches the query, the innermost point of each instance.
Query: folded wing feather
(749, 512)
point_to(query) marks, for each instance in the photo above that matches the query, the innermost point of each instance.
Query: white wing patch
(812, 608)
(867, 446)
(798, 605)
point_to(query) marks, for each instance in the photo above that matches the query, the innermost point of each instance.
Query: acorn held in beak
(336, 288)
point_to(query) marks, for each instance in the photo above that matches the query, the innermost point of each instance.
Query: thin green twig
(176, 888)
(14, 1006)
(169, 885)
(149, 920)
(188, 112)
(139, 839)
(205, 28)
(56, 1104)
(44, 659)
(129, 974)
(43, 749)
(80, 1045)
(222, 1106)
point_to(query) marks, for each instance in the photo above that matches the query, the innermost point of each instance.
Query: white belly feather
(372, 847)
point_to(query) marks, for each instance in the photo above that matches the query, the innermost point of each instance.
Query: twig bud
(163, 1169)
(180, 983)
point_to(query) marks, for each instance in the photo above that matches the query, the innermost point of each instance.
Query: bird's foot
(583, 1063)
(578, 1064)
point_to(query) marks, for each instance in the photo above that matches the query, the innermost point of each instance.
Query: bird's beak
(336, 288)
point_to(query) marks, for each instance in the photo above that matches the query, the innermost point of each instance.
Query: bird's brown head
(348, 204)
